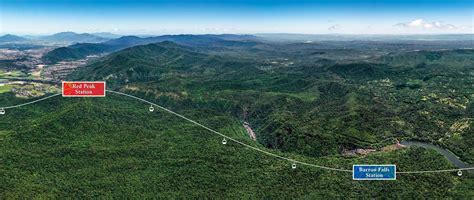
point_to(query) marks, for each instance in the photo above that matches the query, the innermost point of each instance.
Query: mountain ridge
(207, 41)
(11, 38)
(73, 37)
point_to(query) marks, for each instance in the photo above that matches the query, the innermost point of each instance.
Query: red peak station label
(83, 88)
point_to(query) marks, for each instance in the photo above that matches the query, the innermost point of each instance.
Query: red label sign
(83, 89)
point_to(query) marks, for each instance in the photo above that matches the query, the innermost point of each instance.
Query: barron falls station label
(374, 172)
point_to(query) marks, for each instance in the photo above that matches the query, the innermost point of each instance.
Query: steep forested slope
(315, 110)
(114, 147)
(306, 107)
(77, 51)
(214, 43)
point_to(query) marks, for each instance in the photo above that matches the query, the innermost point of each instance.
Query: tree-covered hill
(77, 51)
(316, 110)
(309, 102)
(212, 43)
(114, 147)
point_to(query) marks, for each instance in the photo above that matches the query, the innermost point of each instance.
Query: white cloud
(334, 27)
(416, 23)
(423, 24)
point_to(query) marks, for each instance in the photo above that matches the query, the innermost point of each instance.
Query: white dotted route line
(2, 109)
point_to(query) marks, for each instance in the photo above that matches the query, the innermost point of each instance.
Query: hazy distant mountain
(126, 41)
(290, 37)
(188, 40)
(72, 37)
(106, 35)
(236, 37)
(208, 42)
(11, 38)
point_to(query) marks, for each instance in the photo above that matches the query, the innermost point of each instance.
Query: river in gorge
(448, 154)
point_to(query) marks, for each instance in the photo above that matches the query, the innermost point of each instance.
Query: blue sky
(236, 16)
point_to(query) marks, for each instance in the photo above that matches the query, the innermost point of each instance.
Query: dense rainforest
(310, 102)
